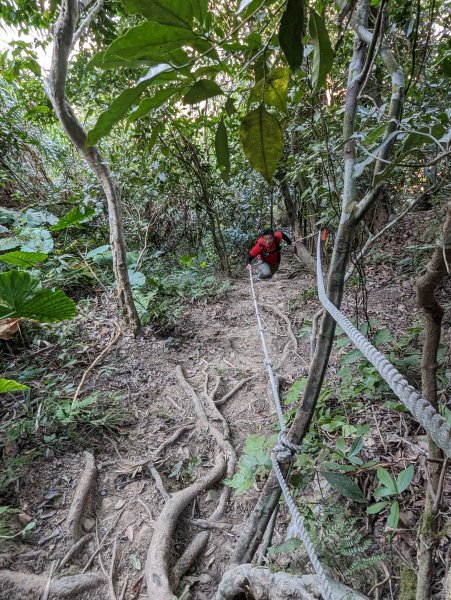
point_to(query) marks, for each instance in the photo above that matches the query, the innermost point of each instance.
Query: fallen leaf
(24, 518)
(8, 327)
(129, 533)
(119, 504)
(136, 563)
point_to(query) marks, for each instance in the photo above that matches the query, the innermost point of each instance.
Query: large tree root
(259, 583)
(161, 580)
(73, 520)
(159, 586)
(29, 586)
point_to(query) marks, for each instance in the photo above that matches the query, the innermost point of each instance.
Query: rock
(88, 524)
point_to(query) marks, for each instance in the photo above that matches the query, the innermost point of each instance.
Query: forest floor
(137, 465)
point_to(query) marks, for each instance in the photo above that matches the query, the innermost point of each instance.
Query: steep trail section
(164, 449)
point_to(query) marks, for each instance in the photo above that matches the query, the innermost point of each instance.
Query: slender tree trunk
(436, 271)
(258, 521)
(55, 88)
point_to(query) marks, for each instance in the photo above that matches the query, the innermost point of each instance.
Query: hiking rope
(283, 451)
(434, 424)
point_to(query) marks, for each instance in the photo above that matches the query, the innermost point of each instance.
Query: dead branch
(94, 363)
(206, 524)
(75, 548)
(158, 482)
(232, 392)
(157, 564)
(86, 22)
(73, 524)
(31, 586)
(111, 572)
(427, 285)
(189, 556)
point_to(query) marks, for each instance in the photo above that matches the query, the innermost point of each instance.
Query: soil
(216, 339)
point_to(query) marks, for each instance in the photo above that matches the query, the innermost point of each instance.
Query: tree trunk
(436, 271)
(55, 86)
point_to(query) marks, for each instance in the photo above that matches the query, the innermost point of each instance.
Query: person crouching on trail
(267, 251)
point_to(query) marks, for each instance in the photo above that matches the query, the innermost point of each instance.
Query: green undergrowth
(341, 452)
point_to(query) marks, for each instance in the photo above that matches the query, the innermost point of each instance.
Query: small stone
(88, 524)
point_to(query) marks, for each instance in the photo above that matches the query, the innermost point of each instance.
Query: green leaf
(384, 477)
(222, 151)
(288, 546)
(18, 290)
(48, 306)
(324, 55)
(273, 90)
(382, 337)
(149, 104)
(36, 239)
(262, 139)
(202, 90)
(23, 259)
(75, 216)
(16, 287)
(9, 385)
(393, 517)
(166, 12)
(294, 392)
(114, 113)
(345, 485)
(404, 478)
(230, 107)
(136, 563)
(291, 33)
(151, 43)
(376, 507)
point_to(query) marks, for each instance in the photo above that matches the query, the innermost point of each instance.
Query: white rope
(434, 424)
(283, 451)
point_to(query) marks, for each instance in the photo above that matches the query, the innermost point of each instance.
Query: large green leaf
(9, 385)
(20, 297)
(222, 151)
(16, 287)
(202, 90)
(166, 12)
(291, 33)
(262, 139)
(48, 306)
(75, 216)
(151, 43)
(152, 103)
(345, 485)
(23, 259)
(324, 55)
(404, 478)
(114, 113)
(273, 89)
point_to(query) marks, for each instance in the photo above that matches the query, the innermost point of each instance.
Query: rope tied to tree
(434, 424)
(284, 451)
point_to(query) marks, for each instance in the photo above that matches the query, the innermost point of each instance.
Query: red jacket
(268, 254)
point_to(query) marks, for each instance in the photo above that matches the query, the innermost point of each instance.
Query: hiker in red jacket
(267, 251)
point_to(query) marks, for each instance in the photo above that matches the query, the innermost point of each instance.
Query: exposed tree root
(160, 580)
(189, 557)
(157, 574)
(16, 584)
(73, 520)
(260, 583)
(232, 392)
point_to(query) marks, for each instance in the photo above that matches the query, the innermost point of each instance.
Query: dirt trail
(214, 340)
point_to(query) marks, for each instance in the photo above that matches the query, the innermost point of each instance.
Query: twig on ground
(158, 482)
(111, 573)
(124, 589)
(102, 541)
(73, 524)
(75, 548)
(206, 524)
(232, 392)
(94, 363)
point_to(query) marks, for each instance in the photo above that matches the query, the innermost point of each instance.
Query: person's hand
(249, 267)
